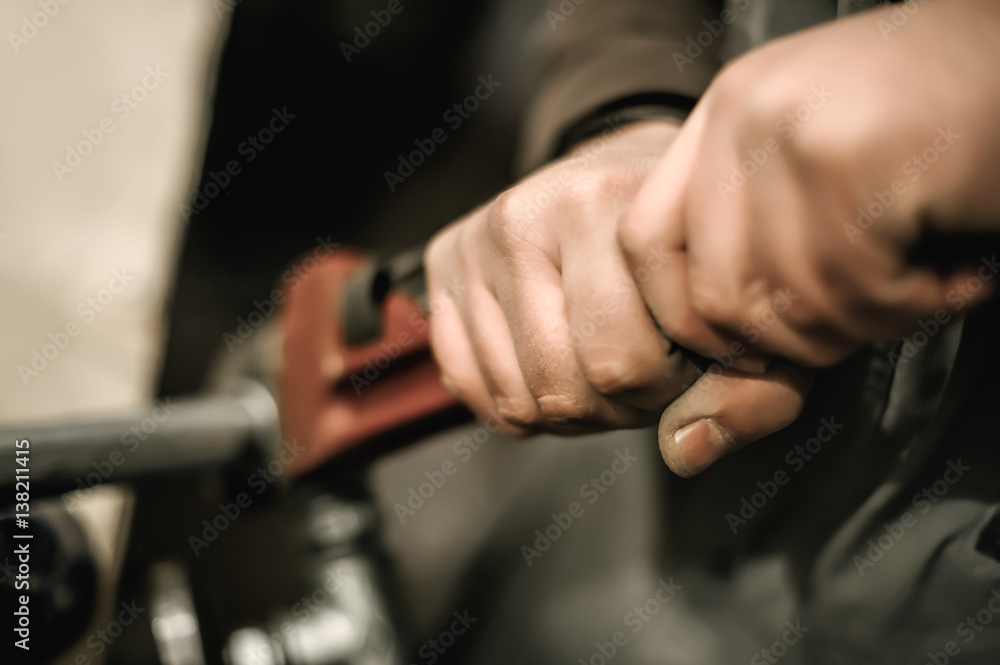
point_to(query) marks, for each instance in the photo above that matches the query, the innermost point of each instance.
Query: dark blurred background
(323, 175)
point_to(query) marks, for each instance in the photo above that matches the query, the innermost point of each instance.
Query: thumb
(725, 411)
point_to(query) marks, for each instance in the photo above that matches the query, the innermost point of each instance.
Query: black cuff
(625, 112)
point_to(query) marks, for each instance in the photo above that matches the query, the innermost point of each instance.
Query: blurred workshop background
(147, 199)
(76, 218)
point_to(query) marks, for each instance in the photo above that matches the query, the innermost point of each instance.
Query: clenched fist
(537, 319)
(791, 200)
(772, 232)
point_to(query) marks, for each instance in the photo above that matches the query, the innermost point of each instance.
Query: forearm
(611, 50)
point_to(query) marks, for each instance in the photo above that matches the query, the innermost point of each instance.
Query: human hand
(790, 200)
(536, 321)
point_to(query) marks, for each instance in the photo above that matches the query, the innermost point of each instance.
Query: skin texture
(538, 318)
(740, 237)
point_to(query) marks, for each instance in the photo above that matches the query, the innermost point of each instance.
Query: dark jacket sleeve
(592, 54)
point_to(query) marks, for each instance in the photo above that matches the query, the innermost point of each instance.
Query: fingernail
(700, 444)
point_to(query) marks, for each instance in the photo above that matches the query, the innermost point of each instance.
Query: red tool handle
(357, 362)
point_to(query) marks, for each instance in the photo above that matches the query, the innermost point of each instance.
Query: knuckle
(520, 412)
(596, 188)
(734, 83)
(747, 89)
(633, 235)
(639, 230)
(813, 149)
(806, 133)
(439, 250)
(782, 110)
(511, 221)
(508, 207)
(764, 103)
(627, 374)
(715, 305)
(565, 409)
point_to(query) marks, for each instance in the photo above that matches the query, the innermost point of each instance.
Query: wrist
(615, 117)
(652, 136)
